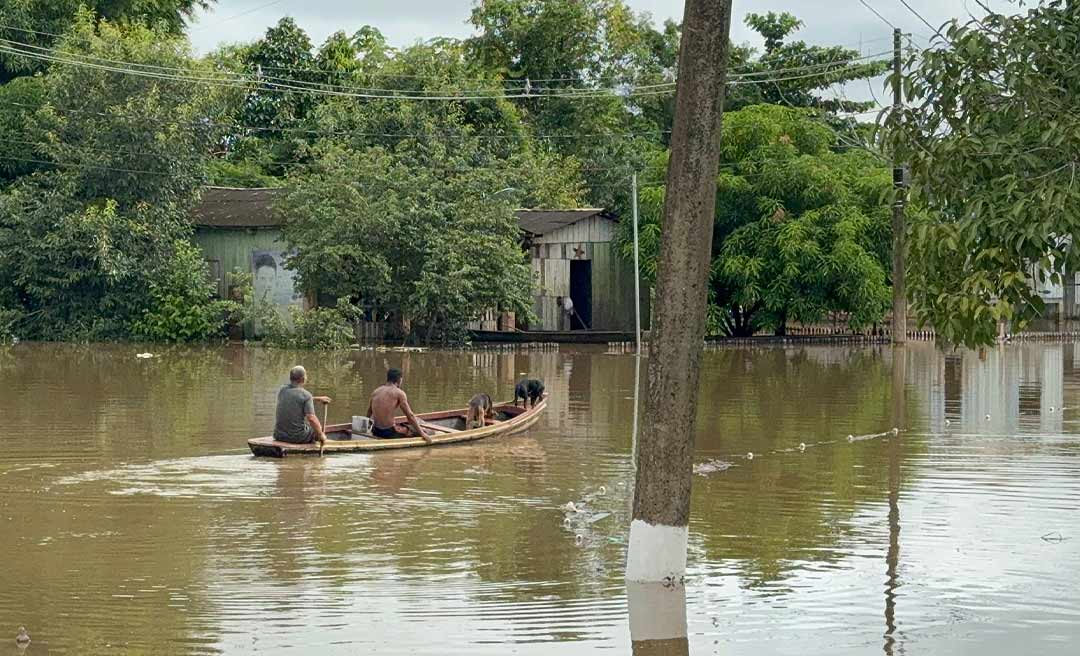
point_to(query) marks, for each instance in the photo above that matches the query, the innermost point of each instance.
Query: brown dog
(480, 409)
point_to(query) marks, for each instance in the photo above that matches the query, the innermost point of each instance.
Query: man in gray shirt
(296, 422)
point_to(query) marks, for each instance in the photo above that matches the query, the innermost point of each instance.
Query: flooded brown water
(134, 521)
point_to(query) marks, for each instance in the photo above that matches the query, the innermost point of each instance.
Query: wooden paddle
(322, 443)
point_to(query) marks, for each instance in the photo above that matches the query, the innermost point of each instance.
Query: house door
(581, 294)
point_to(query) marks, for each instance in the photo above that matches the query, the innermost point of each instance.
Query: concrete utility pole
(899, 227)
(658, 533)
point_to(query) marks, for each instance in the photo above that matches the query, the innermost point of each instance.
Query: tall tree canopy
(991, 134)
(801, 231)
(90, 242)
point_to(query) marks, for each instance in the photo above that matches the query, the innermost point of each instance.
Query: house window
(216, 275)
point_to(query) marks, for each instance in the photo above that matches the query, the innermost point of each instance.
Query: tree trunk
(781, 325)
(658, 533)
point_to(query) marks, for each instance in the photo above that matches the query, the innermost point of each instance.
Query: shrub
(181, 302)
(320, 328)
(8, 318)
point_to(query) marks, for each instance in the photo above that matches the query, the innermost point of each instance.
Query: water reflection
(892, 558)
(657, 619)
(139, 512)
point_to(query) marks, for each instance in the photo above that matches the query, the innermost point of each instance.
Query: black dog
(529, 390)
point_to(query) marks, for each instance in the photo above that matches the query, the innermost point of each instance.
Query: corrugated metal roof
(542, 222)
(223, 207)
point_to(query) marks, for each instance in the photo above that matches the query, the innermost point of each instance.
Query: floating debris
(711, 467)
(750, 456)
(802, 446)
(595, 517)
(144, 356)
(23, 638)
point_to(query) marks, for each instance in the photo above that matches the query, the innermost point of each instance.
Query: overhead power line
(738, 70)
(449, 136)
(233, 80)
(878, 14)
(240, 15)
(936, 30)
(267, 85)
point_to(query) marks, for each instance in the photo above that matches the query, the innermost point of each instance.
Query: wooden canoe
(447, 427)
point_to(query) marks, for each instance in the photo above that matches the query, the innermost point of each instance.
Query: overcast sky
(406, 21)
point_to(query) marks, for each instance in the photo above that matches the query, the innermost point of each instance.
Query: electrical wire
(935, 30)
(735, 70)
(878, 14)
(235, 16)
(450, 136)
(729, 166)
(243, 78)
(274, 86)
(291, 86)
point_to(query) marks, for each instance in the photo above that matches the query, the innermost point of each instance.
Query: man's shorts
(388, 433)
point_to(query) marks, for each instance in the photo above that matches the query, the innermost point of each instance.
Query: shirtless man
(383, 408)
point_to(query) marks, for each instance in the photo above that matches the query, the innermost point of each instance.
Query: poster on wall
(275, 284)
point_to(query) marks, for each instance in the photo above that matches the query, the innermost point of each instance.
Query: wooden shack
(574, 254)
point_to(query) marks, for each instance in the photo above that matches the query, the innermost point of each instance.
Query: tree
(658, 533)
(83, 239)
(426, 247)
(990, 135)
(553, 47)
(19, 101)
(36, 22)
(815, 68)
(801, 231)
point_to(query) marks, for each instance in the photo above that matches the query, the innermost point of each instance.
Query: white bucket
(361, 425)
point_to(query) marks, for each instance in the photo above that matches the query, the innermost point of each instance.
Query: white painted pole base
(657, 553)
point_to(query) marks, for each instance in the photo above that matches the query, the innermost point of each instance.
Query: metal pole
(637, 320)
(899, 243)
(637, 271)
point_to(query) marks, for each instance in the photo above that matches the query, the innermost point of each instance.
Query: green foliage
(181, 302)
(429, 247)
(82, 242)
(19, 100)
(241, 174)
(550, 45)
(831, 65)
(800, 232)
(36, 21)
(991, 137)
(8, 320)
(319, 328)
